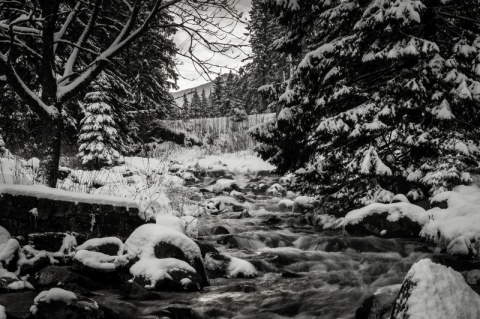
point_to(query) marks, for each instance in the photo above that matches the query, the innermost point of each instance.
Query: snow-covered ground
(155, 185)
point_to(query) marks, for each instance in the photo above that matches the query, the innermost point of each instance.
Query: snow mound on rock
(155, 270)
(224, 185)
(143, 240)
(395, 212)
(54, 294)
(95, 260)
(96, 242)
(237, 267)
(434, 291)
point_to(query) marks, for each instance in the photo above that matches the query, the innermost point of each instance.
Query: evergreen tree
(98, 137)
(186, 107)
(387, 100)
(204, 104)
(269, 66)
(195, 105)
(216, 97)
(228, 95)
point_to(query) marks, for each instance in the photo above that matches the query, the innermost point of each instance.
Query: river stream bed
(302, 272)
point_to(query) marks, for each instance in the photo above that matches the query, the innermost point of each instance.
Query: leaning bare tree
(51, 50)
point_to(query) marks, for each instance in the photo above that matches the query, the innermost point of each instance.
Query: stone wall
(89, 219)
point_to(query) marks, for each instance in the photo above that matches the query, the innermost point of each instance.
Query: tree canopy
(386, 99)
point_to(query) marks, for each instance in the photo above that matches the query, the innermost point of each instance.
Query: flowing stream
(303, 272)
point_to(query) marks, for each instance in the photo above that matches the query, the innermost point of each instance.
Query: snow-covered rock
(225, 185)
(52, 242)
(285, 205)
(461, 245)
(473, 277)
(380, 304)
(400, 198)
(230, 267)
(434, 291)
(144, 241)
(93, 261)
(3, 313)
(54, 275)
(239, 268)
(237, 195)
(58, 303)
(302, 204)
(107, 245)
(397, 219)
(276, 190)
(9, 252)
(165, 273)
(152, 241)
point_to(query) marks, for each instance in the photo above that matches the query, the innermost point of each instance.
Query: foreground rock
(396, 220)
(164, 258)
(435, 291)
(57, 303)
(380, 304)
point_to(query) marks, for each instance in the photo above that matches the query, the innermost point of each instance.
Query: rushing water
(303, 272)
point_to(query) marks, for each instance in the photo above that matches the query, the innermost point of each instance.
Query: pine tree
(186, 107)
(216, 97)
(387, 100)
(269, 67)
(228, 95)
(204, 104)
(195, 105)
(98, 137)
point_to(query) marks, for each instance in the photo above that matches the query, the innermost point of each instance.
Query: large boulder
(166, 274)
(96, 260)
(57, 303)
(397, 220)
(54, 275)
(434, 291)
(151, 243)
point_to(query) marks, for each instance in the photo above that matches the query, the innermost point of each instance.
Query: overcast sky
(189, 76)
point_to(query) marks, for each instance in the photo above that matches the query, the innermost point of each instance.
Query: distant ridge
(178, 96)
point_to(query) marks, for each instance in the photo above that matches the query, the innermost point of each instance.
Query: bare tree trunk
(51, 145)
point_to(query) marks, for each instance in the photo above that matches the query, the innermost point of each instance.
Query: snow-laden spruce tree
(387, 99)
(98, 137)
